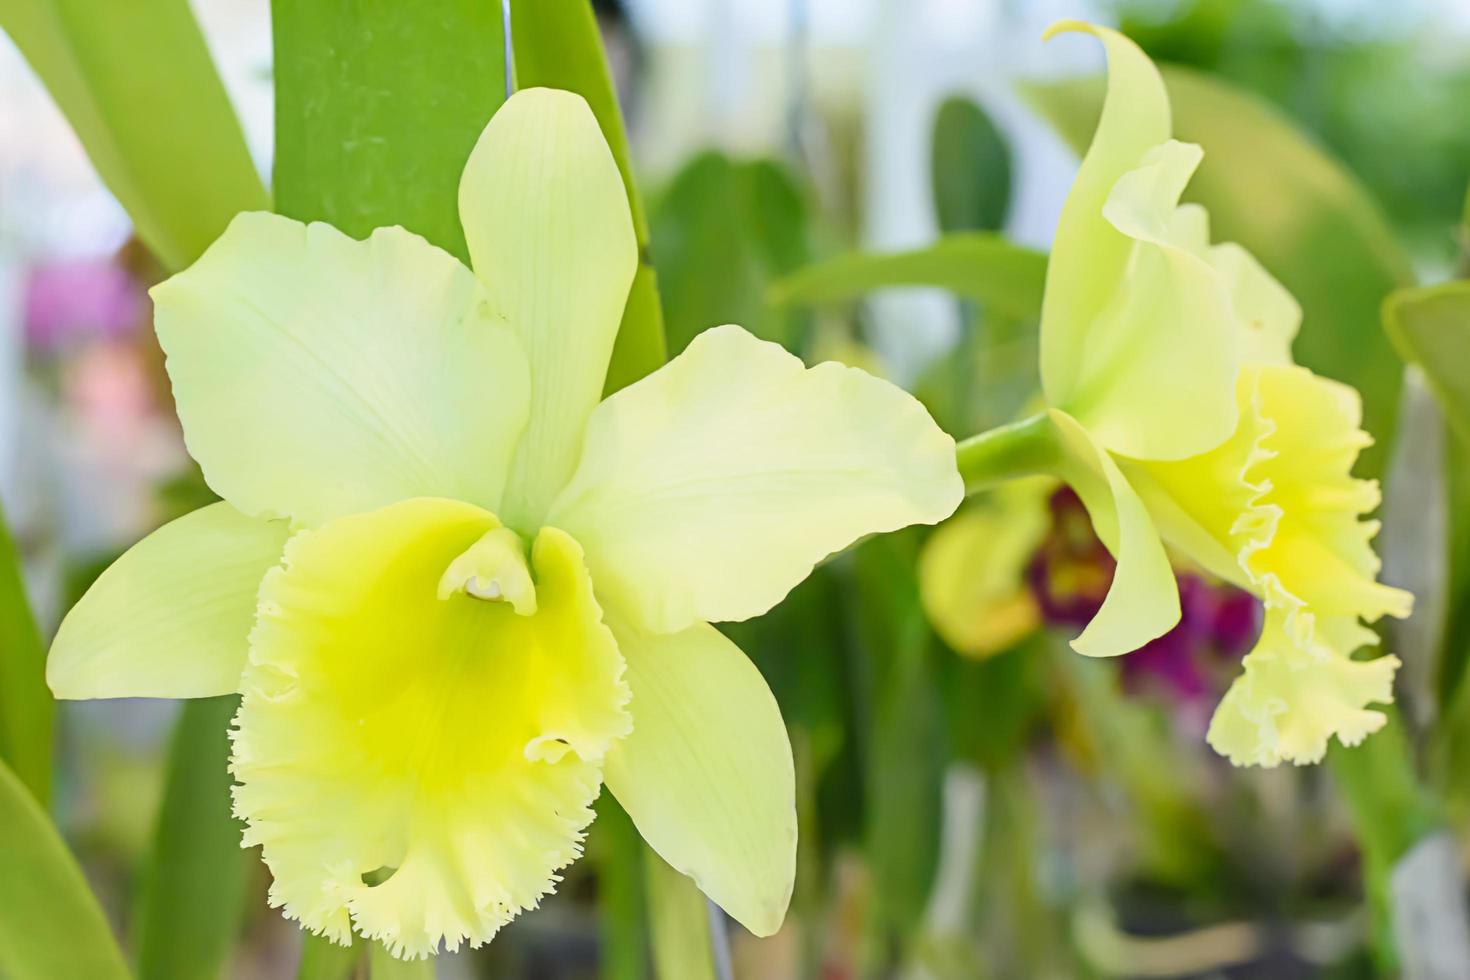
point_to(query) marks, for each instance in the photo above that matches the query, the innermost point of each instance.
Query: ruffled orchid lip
(453, 744)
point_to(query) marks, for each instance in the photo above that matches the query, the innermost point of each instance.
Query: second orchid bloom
(1177, 414)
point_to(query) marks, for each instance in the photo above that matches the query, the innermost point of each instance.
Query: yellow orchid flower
(457, 589)
(1176, 413)
(972, 570)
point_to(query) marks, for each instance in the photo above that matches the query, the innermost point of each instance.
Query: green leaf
(1390, 811)
(50, 924)
(136, 82)
(322, 959)
(558, 45)
(723, 231)
(378, 104)
(905, 752)
(1430, 326)
(26, 706)
(193, 891)
(1299, 211)
(970, 166)
(1005, 277)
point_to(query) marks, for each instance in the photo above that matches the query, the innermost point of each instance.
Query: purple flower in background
(71, 299)
(1069, 577)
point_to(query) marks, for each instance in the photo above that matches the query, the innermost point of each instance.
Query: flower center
(494, 569)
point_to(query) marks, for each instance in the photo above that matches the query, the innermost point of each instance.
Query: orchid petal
(171, 617)
(546, 218)
(707, 773)
(317, 375)
(709, 489)
(1143, 602)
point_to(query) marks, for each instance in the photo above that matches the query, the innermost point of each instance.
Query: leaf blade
(983, 267)
(180, 184)
(50, 923)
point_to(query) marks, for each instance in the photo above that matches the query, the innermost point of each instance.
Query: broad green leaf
(26, 705)
(722, 231)
(50, 924)
(970, 165)
(378, 103)
(1430, 326)
(1007, 278)
(1299, 211)
(193, 890)
(136, 82)
(558, 45)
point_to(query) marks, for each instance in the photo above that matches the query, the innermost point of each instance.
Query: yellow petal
(1295, 695)
(1321, 552)
(421, 766)
(707, 773)
(709, 489)
(546, 218)
(1143, 602)
(972, 569)
(171, 618)
(318, 376)
(1275, 508)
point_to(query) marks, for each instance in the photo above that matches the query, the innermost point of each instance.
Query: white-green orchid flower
(455, 587)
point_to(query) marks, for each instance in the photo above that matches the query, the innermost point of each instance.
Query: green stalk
(27, 709)
(679, 923)
(1024, 448)
(621, 911)
(383, 965)
(322, 959)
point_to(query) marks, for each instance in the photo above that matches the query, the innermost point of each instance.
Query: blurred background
(975, 801)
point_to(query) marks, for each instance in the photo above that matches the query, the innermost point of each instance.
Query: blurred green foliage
(1379, 89)
(723, 230)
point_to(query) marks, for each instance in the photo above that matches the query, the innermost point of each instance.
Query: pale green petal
(1157, 369)
(171, 617)
(709, 489)
(1143, 601)
(317, 375)
(707, 773)
(1089, 255)
(546, 218)
(1268, 316)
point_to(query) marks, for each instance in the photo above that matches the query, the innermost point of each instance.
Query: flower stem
(1024, 448)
